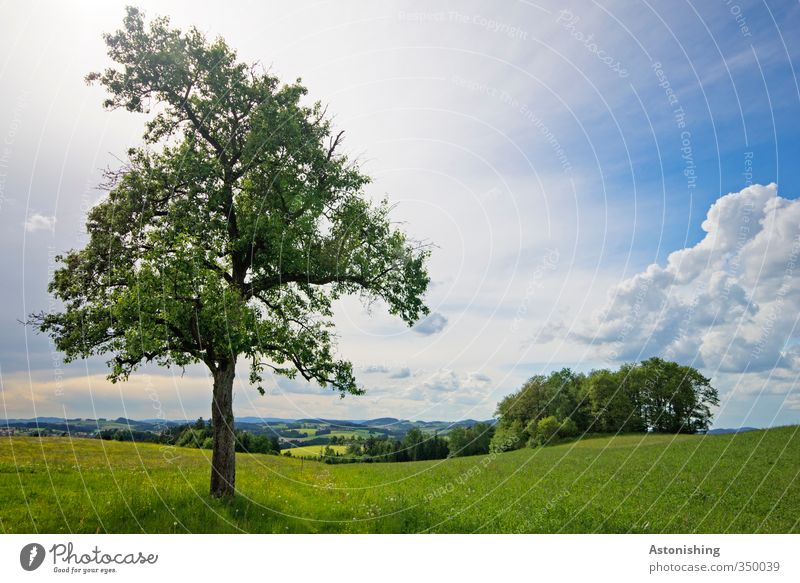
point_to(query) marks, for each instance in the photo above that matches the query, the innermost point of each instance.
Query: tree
(560, 394)
(677, 398)
(228, 234)
(610, 401)
(508, 436)
(529, 403)
(473, 440)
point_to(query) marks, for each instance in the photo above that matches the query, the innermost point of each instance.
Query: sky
(601, 182)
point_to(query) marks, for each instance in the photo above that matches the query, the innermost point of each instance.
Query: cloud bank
(730, 303)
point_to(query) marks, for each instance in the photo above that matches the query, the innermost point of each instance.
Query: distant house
(7, 431)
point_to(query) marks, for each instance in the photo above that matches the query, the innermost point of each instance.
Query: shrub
(568, 428)
(507, 437)
(547, 429)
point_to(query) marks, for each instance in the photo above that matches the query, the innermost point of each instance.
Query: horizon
(713, 426)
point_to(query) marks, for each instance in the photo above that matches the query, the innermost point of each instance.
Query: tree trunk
(223, 458)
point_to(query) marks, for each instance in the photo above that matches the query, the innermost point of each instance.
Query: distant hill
(725, 431)
(293, 432)
(379, 422)
(263, 420)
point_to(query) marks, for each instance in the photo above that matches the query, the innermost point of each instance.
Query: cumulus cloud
(729, 303)
(793, 402)
(447, 386)
(375, 369)
(38, 222)
(393, 373)
(432, 324)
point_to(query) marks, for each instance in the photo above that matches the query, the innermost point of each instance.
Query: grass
(631, 483)
(313, 451)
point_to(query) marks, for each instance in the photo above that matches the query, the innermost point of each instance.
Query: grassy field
(633, 483)
(311, 451)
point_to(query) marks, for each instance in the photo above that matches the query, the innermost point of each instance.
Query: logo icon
(31, 556)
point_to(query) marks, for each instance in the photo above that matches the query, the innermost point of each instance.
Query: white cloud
(793, 402)
(447, 386)
(432, 324)
(729, 303)
(38, 222)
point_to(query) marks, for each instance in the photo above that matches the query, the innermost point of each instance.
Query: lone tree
(228, 234)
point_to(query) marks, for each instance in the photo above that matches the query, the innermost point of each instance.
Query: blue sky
(570, 161)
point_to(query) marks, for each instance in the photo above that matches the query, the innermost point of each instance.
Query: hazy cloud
(431, 324)
(375, 369)
(400, 373)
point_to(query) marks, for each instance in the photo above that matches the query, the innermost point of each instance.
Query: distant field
(634, 483)
(364, 433)
(314, 450)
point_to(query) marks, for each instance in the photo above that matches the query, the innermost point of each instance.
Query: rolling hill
(746, 482)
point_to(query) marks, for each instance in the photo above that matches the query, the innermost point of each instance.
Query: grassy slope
(728, 483)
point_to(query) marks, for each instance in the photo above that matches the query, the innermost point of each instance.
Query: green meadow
(630, 483)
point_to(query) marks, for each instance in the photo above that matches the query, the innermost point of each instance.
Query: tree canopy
(237, 233)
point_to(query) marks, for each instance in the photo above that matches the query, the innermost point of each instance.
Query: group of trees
(415, 446)
(473, 440)
(199, 434)
(652, 396)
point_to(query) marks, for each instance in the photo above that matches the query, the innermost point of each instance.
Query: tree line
(414, 446)
(199, 434)
(651, 396)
